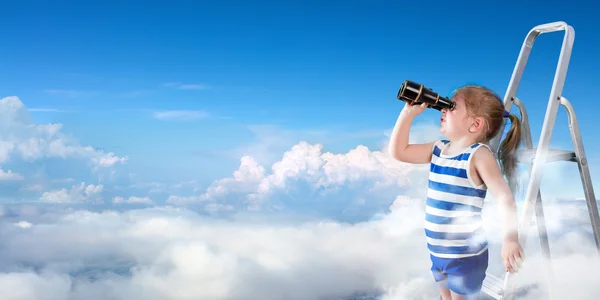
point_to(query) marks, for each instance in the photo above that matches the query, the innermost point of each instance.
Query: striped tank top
(453, 223)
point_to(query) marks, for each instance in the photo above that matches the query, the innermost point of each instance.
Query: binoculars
(415, 93)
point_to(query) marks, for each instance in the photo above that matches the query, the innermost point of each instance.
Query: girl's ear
(477, 125)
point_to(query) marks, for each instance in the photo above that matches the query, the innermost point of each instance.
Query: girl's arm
(399, 148)
(487, 168)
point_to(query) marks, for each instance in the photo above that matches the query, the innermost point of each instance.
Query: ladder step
(528, 155)
(493, 286)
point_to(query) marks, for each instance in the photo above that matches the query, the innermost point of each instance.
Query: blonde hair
(483, 102)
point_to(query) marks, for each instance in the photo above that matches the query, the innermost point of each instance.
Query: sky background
(149, 119)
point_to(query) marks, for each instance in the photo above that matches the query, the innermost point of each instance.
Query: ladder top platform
(527, 156)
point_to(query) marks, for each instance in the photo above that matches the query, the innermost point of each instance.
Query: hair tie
(506, 114)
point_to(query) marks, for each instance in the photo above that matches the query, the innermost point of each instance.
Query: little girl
(462, 169)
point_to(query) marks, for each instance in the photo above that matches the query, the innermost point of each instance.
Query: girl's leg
(466, 277)
(466, 287)
(444, 290)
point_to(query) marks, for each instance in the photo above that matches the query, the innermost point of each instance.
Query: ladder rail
(539, 210)
(517, 74)
(532, 203)
(584, 170)
(547, 128)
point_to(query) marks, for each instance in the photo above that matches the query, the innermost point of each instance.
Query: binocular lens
(415, 93)
(410, 91)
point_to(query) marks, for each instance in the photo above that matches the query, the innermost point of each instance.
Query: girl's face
(455, 124)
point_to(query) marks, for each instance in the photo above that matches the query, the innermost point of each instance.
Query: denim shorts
(465, 275)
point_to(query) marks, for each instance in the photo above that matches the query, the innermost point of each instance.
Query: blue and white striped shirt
(453, 224)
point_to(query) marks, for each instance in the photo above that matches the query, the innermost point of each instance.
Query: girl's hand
(512, 256)
(414, 110)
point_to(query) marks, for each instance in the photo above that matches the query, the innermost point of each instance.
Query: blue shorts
(465, 275)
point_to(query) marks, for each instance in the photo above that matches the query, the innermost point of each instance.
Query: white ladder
(504, 289)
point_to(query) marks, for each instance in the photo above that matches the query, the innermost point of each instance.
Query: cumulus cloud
(353, 185)
(21, 137)
(10, 175)
(270, 141)
(35, 157)
(132, 200)
(77, 194)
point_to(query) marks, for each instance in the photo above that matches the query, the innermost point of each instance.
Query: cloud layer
(171, 253)
(313, 225)
(174, 254)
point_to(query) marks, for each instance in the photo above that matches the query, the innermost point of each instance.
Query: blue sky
(267, 75)
(273, 115)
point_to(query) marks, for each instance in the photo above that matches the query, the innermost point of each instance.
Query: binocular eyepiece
(415, 93)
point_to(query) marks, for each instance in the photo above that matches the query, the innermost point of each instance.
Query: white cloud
(108, 160)
(168, 253)
(21, 137)
(188, 257)
(355, 184)
(132, 200)
(23, 224)
(244, 180)
(271, 140)
(180, 115)
(78, 193)
(10, 175)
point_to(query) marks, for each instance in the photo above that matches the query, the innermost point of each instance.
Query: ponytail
(507, 151)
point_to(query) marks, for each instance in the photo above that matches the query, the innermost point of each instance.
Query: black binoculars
(415, 93)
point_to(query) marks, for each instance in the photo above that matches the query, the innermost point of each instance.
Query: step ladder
(503, 288)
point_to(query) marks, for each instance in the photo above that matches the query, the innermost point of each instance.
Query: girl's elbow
(402, 158)
(395, 154)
